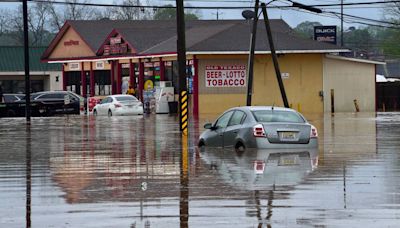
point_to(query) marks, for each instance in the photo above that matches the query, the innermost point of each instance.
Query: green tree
(390, 36)
(306, 29)
(390, 42)
(170, 14)
(359, 39)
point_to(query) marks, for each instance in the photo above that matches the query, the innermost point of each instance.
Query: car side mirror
(208, 126)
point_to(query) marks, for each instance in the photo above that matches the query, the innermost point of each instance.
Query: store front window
(18, 86)
(102, 82)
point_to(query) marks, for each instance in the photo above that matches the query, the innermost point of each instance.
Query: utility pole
(217, 14)
(181, 46)
(341, 23)
(250, 64)
(274, 57)
(26, 57)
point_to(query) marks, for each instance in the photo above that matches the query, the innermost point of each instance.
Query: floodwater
(131, 172)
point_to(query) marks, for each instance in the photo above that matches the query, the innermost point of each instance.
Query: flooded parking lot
(132, 172)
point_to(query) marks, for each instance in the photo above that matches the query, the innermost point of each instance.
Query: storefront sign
(225, 76)
(71, 42)
(285, 75)
(99, 65)
(325, 34)
(115, 49)
(74, 66)
(125, 65)
(115, 40)
(106, 50)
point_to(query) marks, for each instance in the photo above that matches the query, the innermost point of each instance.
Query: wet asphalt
(75, 171)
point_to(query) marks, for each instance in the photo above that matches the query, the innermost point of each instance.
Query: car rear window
(277, 116)
(126, 98)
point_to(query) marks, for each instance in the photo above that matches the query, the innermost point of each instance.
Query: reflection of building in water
(343, 133)
(113, 164)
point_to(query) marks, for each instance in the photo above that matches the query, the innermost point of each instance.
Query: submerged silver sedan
(260, 127)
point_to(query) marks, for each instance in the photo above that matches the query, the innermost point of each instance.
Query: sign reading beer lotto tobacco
(226, 76)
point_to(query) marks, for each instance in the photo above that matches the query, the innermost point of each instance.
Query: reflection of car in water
(260, 127)
(258, 169)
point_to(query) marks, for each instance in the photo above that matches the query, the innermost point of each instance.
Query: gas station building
(108, 55)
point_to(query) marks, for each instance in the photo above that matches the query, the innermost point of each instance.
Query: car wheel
(201, 143)
(109, 113)
(95, 112)
(239, 148)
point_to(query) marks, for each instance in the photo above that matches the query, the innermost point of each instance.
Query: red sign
(71, 42)
(115, 40)
(106, 50)
(225, 76)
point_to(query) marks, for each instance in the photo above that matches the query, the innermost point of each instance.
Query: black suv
(43, 104)
(59, 102)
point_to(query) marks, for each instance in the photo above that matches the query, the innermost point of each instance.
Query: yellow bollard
(298, 107)
(184, 113)
(356, 105)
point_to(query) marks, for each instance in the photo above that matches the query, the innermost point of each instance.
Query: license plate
(130, 106)
(287, 135)
(288, 160)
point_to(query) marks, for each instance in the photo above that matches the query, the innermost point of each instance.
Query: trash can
(173, 106)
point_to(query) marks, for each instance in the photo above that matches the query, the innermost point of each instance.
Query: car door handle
(235, 132)
(221, 134)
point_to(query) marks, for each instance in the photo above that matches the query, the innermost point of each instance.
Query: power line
(206, 7)
(352, 20)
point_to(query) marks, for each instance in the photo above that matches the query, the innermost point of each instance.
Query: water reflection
(130, 172)
(261, 169)
(260, 173)
(28, 151)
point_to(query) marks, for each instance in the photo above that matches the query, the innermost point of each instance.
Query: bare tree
(132, 10)
(38, 25)
(392, 13)
(71, 11)
(17, 26)
(38, 22)
(4, 21)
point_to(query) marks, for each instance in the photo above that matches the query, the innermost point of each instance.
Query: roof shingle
(12, 59)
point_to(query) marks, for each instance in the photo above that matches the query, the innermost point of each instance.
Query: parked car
(13, 97)
(260, 127)
(59, 102)
(119, 105)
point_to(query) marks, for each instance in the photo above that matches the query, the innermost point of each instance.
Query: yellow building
(104, 54)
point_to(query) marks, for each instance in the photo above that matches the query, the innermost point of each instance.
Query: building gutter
(354, 59)
(265, 52)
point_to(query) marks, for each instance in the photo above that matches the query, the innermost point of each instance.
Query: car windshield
(277, 116)
(126, 98)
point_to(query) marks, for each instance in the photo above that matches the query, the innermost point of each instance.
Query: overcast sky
(292, 17)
